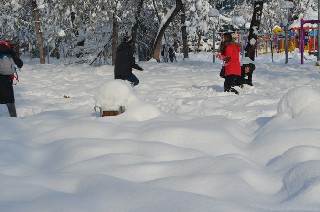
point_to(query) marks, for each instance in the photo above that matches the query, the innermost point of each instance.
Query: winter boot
(12, 109)
(232, 90)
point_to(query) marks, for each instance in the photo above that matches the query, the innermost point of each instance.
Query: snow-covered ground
(182, 144)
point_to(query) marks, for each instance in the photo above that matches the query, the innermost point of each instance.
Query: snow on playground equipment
(274, 41)
(313, 41)
(268, 42)
(242, 39)
(279, 40)
(302, 35)
(264, 44)
(310, 39)
(309, 45)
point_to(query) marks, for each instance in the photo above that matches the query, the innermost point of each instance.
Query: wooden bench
(104, 112)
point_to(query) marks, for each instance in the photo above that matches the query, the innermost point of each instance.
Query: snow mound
(141, 111)
(153, 60)
(302, 182)
(299, 101)
(113, 94)
(116, 93)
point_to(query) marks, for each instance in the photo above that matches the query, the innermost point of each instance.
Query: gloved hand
(137, 67)
(219, 56)
(222, 57)
(226, 59)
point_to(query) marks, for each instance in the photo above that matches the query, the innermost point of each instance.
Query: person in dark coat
(125, 62)
(164, 53)
(246, 71)
(172, 55)
(6, 89)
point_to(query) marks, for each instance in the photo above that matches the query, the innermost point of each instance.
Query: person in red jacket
(230, 54)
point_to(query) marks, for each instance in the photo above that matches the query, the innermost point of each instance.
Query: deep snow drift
(181, 145)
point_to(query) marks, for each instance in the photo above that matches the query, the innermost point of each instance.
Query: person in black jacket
(6, 89)
(246, 70)
(125, 62)
(172, 55)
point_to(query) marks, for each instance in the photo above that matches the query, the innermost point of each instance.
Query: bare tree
(115, 33)
(254, 27)
(135, 26)
(36, 17)
(184, 33)
(213, 3)
(156, 10)
(163, 26)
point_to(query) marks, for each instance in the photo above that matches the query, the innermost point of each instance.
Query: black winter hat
(251, 66)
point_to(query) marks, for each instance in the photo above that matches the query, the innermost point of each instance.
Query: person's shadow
(216, 88)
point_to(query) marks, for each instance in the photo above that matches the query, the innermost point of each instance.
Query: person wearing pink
(230, 54)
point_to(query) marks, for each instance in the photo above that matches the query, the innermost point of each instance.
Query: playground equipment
(313, 41)
(308, 42)
(273, 41)
(302, 35)
(310, 38)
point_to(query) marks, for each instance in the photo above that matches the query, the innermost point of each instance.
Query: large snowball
(113, 94)
(117, 93)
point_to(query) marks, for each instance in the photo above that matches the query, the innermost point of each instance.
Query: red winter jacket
(232, 66)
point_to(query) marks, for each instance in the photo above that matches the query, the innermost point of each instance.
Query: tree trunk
(157, 43)
(184, 33)
(213, 3)
(114, 38)
(36, 17)
(155, 8)
(136, 25)
(199, 40)
(253, 31)
(16, 48)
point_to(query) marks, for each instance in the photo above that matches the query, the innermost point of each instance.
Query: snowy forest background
(182, 144)
(88, 31)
